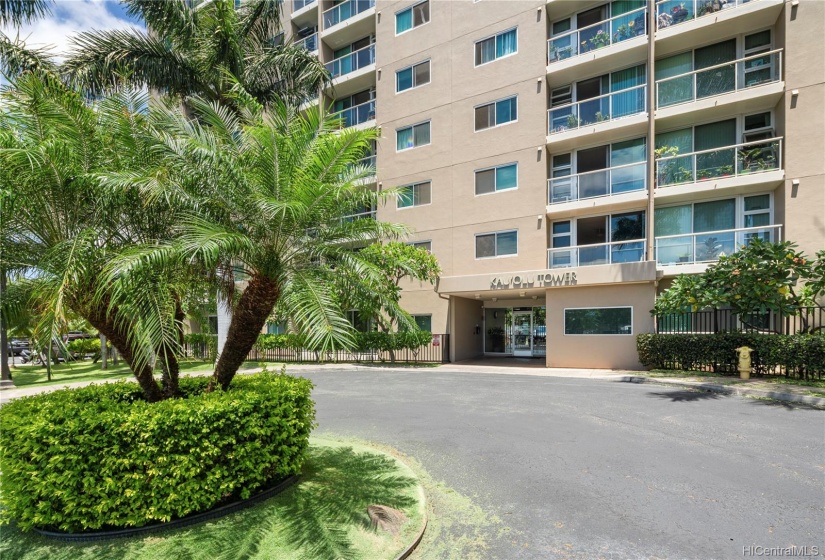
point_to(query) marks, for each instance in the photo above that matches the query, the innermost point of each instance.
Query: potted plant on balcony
(599, 40)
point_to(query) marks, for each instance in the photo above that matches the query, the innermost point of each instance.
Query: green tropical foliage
(137, 465)
(760, 277)
(16, 12)
(200, 51)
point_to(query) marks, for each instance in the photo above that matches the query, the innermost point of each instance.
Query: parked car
(75, 335)
(17, 346)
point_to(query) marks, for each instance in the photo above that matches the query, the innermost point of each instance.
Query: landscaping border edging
(177, 523)
(728, 390)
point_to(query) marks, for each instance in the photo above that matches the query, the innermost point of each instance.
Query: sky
(69, 17)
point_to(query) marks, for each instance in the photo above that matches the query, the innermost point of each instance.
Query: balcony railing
(735, 75)
(603, 253)
(346, 10)
(603, 34)
(358, 114)
(310, 43)
(595, 110)
(352, 62)
(594, 184)
(369, 162)
(364, 214)
(729, 161)
(299, 4)
(674, 12)
(708, 246)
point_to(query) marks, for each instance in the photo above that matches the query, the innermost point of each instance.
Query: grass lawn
(323, 516)
(27, 375)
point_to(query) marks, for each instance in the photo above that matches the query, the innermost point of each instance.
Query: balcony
(596, 184)
(708, 246)
(309, 43)
(741, 160)
(298, 5)
(593, 37)
(616, 252)
(352, 62)
(361, 214)
(745, 73)
(597, 110)
(345, 11)
(674, 12)
(358, 115)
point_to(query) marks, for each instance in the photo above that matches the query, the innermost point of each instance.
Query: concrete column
(224, 318)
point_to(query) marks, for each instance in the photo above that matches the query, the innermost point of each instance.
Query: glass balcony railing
(369, 162)
(736, 75)
(346, 10)
(674, 12)
(595, 110)
(603, 34)
(361, 214)
(358, 114)
(300, 4)
(309, 43)
(708, 246)
(593, 184)
(591, 255)
(729, 161)
(352, 62)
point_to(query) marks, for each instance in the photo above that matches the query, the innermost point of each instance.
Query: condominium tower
(565, 160)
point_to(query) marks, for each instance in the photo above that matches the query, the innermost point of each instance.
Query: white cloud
(68, 17)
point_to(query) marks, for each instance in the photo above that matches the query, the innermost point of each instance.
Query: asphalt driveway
(591, 468)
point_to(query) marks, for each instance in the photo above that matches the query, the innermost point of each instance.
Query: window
(424, 322)
(412, 136)
(498, 46)
(498, 244)
(358, 322)
(414, 195)
(495, 179)
(413, 16)
(412, 76)
(426, 245)
(496, 113)
(599, 320)
(276, 328)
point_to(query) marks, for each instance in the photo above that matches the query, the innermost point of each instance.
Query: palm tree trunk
(119, 337)
(5, 374)
(248, 319)
(170, 366)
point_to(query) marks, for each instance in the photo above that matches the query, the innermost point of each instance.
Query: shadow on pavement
(686, 396)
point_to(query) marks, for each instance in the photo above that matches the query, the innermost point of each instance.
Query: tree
(267, 194)
(16, 12)
(62, 228)
(396, 262)
(759, 278)
(201, 51)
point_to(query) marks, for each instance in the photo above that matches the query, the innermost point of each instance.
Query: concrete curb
(728, 390)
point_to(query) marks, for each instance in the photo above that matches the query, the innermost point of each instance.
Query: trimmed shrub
(801, 355)
(83, 346)
(383, 341)
(101, 457)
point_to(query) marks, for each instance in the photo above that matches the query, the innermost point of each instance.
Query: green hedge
(101, 457)
(202, 345)
(84, 346)
(798, 355)
(364, 341)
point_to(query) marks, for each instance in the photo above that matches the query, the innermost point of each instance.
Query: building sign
(544, 280)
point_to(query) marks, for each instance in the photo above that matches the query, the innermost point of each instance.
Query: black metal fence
(807, 320)
(437, 352)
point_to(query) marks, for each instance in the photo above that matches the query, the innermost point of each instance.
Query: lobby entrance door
(523, 333)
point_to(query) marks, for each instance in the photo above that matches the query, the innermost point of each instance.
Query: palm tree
(268, 195)
(61, 228)
(199, 51)
(16, 12)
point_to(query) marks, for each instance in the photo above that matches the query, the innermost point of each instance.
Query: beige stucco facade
(779, 197)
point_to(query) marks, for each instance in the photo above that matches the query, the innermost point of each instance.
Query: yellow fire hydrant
(744, 362)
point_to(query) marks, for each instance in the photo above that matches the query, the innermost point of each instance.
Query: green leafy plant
(103, 457)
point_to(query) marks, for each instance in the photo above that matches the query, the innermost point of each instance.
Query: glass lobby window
(598, 320)
(496, 244)
(496, 113)
(495, 179)
(412, 76)
(412, 136)
(416, 15)
(498, 46)
(418, 194)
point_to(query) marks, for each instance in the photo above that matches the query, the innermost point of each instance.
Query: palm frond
(16, 58)
(17, 12)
